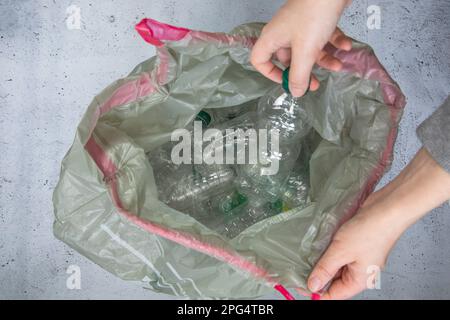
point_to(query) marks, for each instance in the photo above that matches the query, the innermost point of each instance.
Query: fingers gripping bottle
(278, 112)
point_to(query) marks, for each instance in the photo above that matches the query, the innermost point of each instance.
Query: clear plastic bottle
(203, 183)
(222, 209)
(251, 214)
(183, 186)
(161, 155)
(231, 139)
(295, 190)
(219, 198)
(281, 111)
(205, 192)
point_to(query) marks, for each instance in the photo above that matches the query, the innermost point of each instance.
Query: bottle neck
(285, 82)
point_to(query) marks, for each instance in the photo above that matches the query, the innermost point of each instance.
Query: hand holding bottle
(296, 36)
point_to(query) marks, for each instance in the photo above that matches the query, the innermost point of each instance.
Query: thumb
(326, 268)
(302, 61)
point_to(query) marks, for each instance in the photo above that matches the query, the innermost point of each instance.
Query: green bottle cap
(276, 206)
(233, 202)
(285, 81)
(204, 117)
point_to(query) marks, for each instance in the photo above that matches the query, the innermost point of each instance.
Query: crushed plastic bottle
(232, 196)
(281, 111)
(231, 139)
(199, 185)
(295, 191)
(250, 215)
(205, 192)
(222, 209)
(186, 186)
(161, 156)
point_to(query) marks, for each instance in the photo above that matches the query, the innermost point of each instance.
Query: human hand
(296, 36)
(366, 239)
(357, 252)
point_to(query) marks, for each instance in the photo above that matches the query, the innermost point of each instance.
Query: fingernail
(314, 284)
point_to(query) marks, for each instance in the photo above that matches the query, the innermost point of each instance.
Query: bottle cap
(285, 81)
(235, 201)
(276, 206)
(204, 117)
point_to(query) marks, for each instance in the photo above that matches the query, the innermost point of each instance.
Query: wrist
(420, 187)
(388, 217)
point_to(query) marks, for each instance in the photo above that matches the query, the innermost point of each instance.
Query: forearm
(420, 187)
(434, 133)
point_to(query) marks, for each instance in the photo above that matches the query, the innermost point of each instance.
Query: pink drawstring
(288, 296)
(284, 292)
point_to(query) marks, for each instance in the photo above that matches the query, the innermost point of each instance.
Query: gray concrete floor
(49, 73)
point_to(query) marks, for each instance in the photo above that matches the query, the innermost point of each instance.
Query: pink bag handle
(154, 31)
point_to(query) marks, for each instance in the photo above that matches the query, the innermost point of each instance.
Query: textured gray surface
(49, 74)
